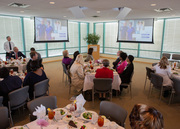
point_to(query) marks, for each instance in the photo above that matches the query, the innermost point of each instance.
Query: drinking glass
(25, 72)
(94, 118)
(11, 71)
(58, 115)
(51, 115)
(72, 108)
(100, 121)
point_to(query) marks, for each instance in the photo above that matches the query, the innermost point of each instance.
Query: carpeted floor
(171, 113)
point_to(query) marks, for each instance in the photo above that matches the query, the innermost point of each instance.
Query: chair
(157, 82)
(17, 99)
(113, 112)
(176, 91)
(167, 55)
(64, 71)
(4, 121)
(41, 88)
(102, 85)
(129, 85)
(47, 101)
(148, 75)
(175, 56)
(1, 101)
(153, 64)
(69, 80)
(13, 67)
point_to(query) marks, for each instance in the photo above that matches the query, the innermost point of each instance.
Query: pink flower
(42, 123)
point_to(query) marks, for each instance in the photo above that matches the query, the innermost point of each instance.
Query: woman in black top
(127, 73)
(8, 84)
(33, 77)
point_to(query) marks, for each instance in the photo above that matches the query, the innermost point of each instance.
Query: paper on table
(80, 101)
(40, 112)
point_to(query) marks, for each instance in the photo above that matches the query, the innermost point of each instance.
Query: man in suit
(16, 54)
(8, 47)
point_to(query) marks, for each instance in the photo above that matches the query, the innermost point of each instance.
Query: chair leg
(10, 114)
(93, 97)
(161, 94)
(130, 90)
(69, 89)
(63, 77)
(149, 90)
(145, 83)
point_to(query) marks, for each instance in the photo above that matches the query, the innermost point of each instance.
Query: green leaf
(92, 38)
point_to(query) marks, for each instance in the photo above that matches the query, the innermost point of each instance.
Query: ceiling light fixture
(98, 11)
(52, 2)
(153, 4)
(22, 11)
(64, 16)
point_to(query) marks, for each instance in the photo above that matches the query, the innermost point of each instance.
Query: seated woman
(33, 77)
(117, 60)
(89, 55)
(104, 73)
(8, 84)
(75, 55)
(77, 73)
(163, 69)
(122, 64)
(145, 117)
(66, 60)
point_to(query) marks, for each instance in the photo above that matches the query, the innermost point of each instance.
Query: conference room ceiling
(43, 8)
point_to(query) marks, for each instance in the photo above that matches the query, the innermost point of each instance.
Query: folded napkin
(80, 101)
(40, 112)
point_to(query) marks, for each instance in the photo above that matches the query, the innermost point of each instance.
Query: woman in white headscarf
(77, 73)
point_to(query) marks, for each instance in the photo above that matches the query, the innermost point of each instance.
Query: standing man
(8, 47)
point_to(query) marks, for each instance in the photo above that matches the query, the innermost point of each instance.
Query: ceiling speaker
(77, 12)
(124, 11)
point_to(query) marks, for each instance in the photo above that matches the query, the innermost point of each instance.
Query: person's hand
(42, 68)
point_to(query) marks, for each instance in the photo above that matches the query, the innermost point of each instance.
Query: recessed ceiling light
(64, 16)
(52, 2)
(153, 4)
(98, 11)
(22, 11)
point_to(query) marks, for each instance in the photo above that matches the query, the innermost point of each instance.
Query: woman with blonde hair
(66, 60)
(145, 117)
(77, 73)
(164, 70)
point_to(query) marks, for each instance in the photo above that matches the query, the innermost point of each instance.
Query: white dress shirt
(6, 46)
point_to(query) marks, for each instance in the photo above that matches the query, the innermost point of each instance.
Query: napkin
(80, 101)
(40, 112)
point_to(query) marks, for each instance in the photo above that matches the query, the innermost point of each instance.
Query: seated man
(104, 73)
(39, 55)
(34, 56)
(9, 84)
(117, 60)
(127, 73)
(16, 54)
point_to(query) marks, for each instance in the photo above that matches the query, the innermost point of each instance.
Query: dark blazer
(31, 79)
(115, 63)
(126, 75)
(7, 85)
(20, 54)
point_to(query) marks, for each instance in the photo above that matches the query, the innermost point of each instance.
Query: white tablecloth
(88, 81)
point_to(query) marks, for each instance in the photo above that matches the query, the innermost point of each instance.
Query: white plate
(86, 112)
(18, 127)
(58, 109)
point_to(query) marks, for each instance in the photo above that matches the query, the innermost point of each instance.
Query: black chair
(1, 101)
(175, 56)
(157, 82)
(64, 71)
(41, 88)
(129, 85)
(176, 85)
(153, 64)
(15, 68)
(47, 101)
(18, 98)
(102, 85)
(4, 121)
(113, 112)
(148, 75)
(167, 55)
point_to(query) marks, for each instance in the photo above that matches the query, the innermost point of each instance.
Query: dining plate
(19, 127)
(59, 109)
(67, 119)
(85, 113)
